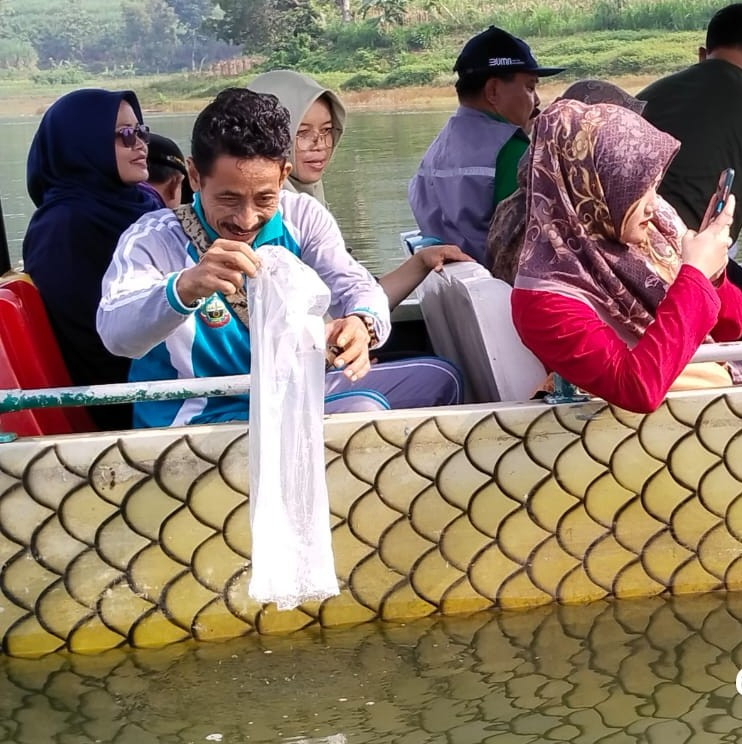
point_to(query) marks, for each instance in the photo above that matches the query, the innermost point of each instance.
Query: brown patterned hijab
(600, 91)
(589, 165)
(505, 237)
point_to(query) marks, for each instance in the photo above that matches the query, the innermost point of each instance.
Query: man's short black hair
(242, 124)
(725, 28)
(159, 173)
(471, 85)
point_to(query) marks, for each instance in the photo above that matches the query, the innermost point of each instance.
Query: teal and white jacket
(141, 316)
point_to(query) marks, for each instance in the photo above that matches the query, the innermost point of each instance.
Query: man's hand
(351, 335)
(221, 269)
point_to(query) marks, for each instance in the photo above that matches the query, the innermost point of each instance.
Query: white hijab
(297, 93)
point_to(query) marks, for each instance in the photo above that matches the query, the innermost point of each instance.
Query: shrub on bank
(65, 73)
(363, 81)
(405, 76)
(605, 54)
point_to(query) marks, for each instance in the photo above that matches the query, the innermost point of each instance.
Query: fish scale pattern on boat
(144, 538)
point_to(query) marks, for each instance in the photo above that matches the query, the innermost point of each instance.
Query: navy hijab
(82, 209)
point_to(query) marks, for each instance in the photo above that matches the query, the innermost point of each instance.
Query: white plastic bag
(292, 558)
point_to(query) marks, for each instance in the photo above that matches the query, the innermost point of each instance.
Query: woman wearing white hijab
(317, 122)
(317, 125)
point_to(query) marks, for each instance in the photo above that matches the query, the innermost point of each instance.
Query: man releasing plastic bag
(292, 558)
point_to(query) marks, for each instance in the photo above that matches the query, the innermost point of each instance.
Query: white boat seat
(469, 321)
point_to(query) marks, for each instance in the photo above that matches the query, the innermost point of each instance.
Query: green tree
(193, 16)
(151, 32)
(16, 54)
(64, 36)
(345, 12)
(267, 25)
(388, 12)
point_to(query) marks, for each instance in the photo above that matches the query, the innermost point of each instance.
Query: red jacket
(570, 339)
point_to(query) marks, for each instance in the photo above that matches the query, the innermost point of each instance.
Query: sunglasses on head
(129, 134)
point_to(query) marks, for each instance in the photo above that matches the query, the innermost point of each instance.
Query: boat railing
(211, 387)
(126, 392)
(728, 351)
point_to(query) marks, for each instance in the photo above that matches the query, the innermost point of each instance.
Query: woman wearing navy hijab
(85, 160)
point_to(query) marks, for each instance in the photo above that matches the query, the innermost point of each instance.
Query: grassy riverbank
(421, 79)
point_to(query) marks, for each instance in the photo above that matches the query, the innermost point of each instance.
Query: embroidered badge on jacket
(214, 313)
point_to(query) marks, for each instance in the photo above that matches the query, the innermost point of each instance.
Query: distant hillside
(63, 41)
(30, 16)
(379, 44)
(28, 11)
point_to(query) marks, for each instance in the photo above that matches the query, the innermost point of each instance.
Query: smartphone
(725, 187)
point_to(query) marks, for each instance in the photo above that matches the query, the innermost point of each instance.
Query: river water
(655, 671)
(366, 185)
(660, 670)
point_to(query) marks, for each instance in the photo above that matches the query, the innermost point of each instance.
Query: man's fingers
(359, 368)
(331, 331)
(356, 373)
(350, 355)
(234, 246)
(238, 255)
(217, 278)
(232, 260)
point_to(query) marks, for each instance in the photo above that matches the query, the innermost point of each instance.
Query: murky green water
(659, 671)
(366, 183)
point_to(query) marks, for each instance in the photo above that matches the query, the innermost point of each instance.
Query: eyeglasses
(129, 134)
(310, 138)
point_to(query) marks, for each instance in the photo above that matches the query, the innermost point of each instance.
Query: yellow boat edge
(143, 538)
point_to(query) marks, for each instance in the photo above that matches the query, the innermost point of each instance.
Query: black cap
(164, 152)
(495, 51)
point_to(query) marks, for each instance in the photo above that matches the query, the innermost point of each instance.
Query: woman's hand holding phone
(719, 199)
(706, 249)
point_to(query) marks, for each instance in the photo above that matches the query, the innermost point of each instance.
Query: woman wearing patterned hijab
(505, 237)
(612, 292)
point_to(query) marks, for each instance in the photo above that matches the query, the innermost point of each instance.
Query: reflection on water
(659, 670)
(366, 184)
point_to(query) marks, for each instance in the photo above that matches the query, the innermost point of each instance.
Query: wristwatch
(368, 321)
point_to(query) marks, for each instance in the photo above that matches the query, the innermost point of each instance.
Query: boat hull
(143, 538)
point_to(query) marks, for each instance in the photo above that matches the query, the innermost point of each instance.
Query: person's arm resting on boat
(570, 339)
(352, 288)
(400, 282)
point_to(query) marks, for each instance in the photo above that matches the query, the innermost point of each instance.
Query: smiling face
(131, 162)
(315, 132)
(635, 226)
(239, 195)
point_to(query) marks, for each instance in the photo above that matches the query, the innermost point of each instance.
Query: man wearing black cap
(168, 177)
(472, 163)
(702, 107)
